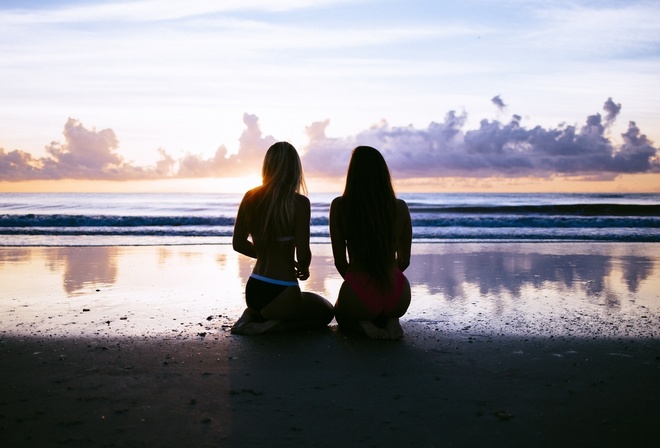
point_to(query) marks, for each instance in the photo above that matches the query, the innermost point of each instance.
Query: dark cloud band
(443, 149)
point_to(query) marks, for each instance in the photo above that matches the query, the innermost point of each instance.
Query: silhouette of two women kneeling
(371, 234)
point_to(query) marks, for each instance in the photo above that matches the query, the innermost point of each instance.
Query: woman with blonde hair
(273, 226)
(370, 225)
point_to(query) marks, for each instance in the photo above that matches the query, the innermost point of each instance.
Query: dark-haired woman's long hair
(369, 210)
(282, 177)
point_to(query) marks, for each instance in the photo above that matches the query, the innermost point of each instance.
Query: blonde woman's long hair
(282, 178)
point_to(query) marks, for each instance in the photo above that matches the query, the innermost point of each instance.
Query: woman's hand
(301, 274)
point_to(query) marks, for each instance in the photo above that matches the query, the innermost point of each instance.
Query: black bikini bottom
(259, 293)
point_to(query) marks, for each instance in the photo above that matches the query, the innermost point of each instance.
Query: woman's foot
(373, 331)
(393, 328)
(242, 322)
(252, 328)
(248, 324)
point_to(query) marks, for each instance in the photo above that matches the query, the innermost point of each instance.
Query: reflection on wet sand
(539, 288)
(510, 273)
(86, 266)
(152, 287)
(116, 290)
(78, 266)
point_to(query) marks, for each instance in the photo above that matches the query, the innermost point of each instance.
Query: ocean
(137, 219)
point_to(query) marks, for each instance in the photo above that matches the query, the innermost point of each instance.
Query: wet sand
(506, 345)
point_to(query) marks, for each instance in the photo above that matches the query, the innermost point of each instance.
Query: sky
(507, 95)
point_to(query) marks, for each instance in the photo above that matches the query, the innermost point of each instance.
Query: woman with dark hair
(272, 225)
(370, 225)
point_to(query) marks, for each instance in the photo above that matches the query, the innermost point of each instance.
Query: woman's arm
(337, 237)
(403, 227)
(301, 237)
(240, 241)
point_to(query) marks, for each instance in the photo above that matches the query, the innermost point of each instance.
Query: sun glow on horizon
(202, 185)
(638, 183)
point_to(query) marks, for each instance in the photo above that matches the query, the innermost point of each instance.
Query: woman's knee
(317, 306)
(403, 303)
(349, 306)
(284, 305)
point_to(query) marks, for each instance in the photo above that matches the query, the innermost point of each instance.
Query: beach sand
(540, 344)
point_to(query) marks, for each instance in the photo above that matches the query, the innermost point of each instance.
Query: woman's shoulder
(255, 194)
(402, 214)
(302, 200)
(336, 201)
(402, 211)
(335, 206)
(251, 199)
(252, 192)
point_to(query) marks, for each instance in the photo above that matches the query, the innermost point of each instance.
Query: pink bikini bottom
(377, 301)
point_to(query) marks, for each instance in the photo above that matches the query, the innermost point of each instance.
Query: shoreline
(539, 344)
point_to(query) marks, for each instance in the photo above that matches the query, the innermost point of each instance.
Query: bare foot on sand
(373, 331)
(393, 328)
(247, 324)
(259, 327)
(242, 322)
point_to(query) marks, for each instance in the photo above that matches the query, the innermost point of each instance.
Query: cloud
(252, 147)
(151, 10)
(496, 100)
(85, 154)
(445, 149)
(442, 149)
(612, 110)
(18, 165)
(92, 155)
